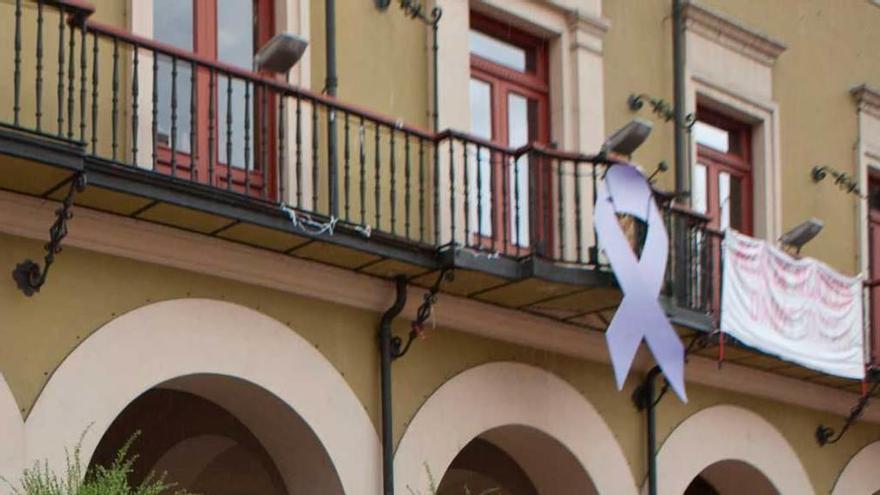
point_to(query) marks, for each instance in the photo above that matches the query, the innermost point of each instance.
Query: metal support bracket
(28, 275)
(826, 435)
(659, 107)
(398, 348)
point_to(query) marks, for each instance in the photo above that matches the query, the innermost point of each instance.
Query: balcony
(169, 137)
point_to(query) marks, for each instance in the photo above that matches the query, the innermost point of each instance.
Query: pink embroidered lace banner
(797, 309)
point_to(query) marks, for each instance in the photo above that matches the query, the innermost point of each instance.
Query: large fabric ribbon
(639, 315)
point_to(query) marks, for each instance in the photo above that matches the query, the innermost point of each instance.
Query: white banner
(797, 309)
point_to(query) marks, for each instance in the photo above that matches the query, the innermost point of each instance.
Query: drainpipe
(646, 400)
(434, 50)
(330, 85)
(682, 173)
(385, 363)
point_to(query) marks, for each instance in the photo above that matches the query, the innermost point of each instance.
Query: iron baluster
(95, 94)
(173, 116)
(264, 139)
(16, 105)
(393, 166)
(560, 206)
(479, 191)
(452, 189)
(60, 109)
(39, 79)
(577, 213)
(247, 138)
(135, 107)
(282, 149)
(407, 184)
(467, 193)
(28, 275)
(377, 185)
(347, 167)
(362, 157)
(435, 190)
(229, 132)
(422, 218)
(493, 205)
(71, 77)
(155, 111)
(299, 168)
(193, 128)
(212, 126)
(505, 197)
(115, 99)
(516, 212)
(314, 155)
(83, 80)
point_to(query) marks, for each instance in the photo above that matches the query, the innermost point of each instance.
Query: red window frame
(737, 162)
(874, 261)
(532, 84)
(205, 45)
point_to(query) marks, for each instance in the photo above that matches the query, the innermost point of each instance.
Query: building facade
(377, 271)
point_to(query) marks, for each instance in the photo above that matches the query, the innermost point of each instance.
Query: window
(230, 32)
(508, 104)
(874, 258)
(722, 179)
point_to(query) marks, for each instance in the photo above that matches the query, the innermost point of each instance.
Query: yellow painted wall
(831, 47)
(86, 290)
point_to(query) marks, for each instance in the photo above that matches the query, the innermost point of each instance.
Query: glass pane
(235, 32)
(711, 136)
(700, 194)
(235, 46)
(498, 51)
(519, 134)
(481, 108)
(173, 24)
(481, 125)
(724, 200)
(736, 203)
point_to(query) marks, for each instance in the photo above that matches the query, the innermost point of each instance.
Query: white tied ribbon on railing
(639, 315)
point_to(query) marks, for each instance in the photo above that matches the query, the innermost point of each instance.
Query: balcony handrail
(80, 9)
(329, 101)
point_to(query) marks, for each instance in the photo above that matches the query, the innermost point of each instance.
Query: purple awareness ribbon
(640, 279)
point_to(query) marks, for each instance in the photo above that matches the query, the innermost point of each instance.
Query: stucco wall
(829, 51)
(86, 290)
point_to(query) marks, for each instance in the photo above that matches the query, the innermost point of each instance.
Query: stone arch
(171, 340)
(860, 476)
(503, 396)
(12, 433)
(728, 433)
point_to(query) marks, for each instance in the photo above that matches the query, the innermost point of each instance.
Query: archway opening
(515, 460)
(220, 435)
(729, 477)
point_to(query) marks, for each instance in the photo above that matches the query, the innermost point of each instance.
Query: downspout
(682, 173)
(385, 349)
(646, 400)
(434, 49)
(330, 86)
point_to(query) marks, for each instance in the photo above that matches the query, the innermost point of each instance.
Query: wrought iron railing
(694, 268)
(135, 103)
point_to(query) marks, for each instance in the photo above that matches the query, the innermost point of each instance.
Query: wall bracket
(398, 348)
(826, 435)
(28, 275)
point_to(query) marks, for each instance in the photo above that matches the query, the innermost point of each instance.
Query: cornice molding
(731, 33)
(587, 32)
(147, 242)
(867, 99)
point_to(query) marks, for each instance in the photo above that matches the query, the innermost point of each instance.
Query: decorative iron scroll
(28, 275)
